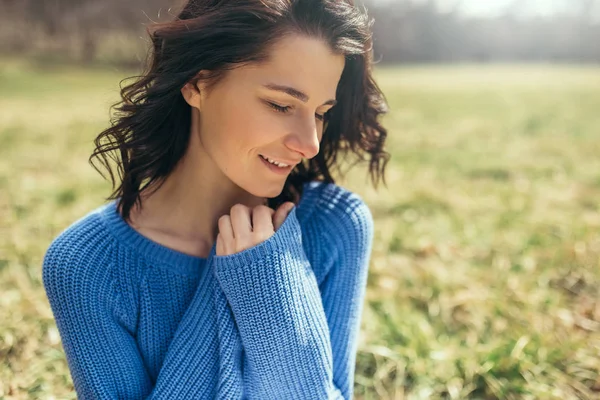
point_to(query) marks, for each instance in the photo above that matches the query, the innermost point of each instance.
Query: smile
(277, 169)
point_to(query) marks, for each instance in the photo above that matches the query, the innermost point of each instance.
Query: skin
(219, 189)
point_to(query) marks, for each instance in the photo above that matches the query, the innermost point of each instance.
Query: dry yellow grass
(485, 273)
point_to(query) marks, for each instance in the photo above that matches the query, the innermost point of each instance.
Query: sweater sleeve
(102, 354)
(100, 349)
(299, 343)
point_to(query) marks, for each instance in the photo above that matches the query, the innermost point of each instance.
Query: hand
(246, 227)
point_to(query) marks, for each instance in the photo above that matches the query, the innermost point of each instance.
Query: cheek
(239, 129)
(256, 128)
(225, 129)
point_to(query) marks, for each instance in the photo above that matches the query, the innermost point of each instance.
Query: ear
(193, 93)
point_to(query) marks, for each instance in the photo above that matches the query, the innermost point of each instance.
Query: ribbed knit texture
(279, 320)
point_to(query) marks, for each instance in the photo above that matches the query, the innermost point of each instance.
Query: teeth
(282, 165)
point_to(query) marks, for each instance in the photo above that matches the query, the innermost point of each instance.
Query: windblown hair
(151, 128)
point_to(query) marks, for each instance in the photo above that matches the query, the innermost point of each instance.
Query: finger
(220, 249)
(241, 221)
(262, 221)
(225, 228)
(281, 214)
(278, 218)
(225, 234)
(287, 207)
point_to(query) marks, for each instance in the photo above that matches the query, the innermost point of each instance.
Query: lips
(275, 168)
(281, 160)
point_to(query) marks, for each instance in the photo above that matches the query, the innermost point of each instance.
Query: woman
(228, 264)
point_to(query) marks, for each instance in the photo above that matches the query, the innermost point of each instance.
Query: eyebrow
(295, 93)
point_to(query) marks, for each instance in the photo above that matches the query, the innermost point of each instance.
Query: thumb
(281, 213)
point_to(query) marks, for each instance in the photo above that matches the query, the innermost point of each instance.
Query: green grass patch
(485, 273)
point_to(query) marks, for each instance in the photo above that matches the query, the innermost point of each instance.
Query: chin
(273, 191)
(263, 189)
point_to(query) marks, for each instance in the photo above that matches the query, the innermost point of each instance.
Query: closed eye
(278, 107)
(285, 109)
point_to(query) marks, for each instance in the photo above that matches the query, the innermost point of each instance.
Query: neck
(188, 205)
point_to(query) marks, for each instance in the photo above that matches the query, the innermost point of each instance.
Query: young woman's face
(249, 114)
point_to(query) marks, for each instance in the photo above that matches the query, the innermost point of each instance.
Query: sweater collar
(185, 263)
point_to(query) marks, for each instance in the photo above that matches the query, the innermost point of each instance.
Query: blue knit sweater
(279, 320)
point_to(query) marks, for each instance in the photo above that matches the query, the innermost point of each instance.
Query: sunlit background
(485, 273)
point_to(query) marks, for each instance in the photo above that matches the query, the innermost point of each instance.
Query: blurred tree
(404, 30)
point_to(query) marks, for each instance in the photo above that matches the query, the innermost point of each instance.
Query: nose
(305, 138)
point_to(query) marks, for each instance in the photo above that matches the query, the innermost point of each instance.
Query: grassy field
(485, 272)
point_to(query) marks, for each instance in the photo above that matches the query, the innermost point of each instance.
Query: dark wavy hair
(151, 126)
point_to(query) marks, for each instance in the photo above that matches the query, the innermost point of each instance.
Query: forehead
(307, 64)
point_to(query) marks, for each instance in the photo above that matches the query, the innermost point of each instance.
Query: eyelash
(285, 109)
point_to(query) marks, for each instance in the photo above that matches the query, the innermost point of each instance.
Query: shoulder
(79, 256)
(340, 213)
(80, 275)
(85, 238)
(335, 201)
